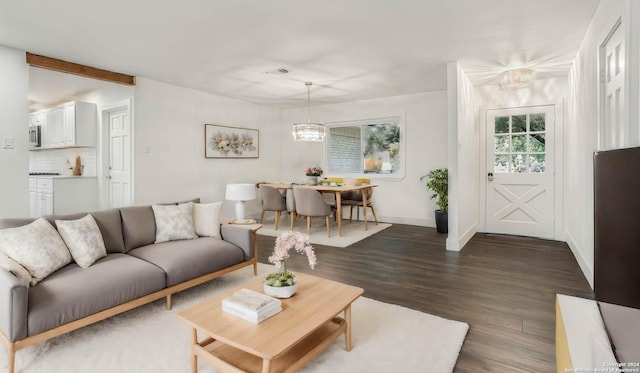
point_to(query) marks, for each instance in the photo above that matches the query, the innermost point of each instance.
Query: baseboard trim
(587, 271)
(467, 235)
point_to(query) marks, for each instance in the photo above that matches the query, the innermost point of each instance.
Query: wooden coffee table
(307, 325)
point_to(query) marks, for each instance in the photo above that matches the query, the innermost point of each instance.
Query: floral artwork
(230, 142)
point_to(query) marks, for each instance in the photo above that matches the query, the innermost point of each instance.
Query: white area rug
(351, 232)
(386, 338)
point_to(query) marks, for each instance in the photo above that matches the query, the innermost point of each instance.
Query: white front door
(612, 128)
(119, 158)
(520, 171)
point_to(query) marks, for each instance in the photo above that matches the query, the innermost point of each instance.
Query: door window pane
(501, 164)
(518, 123)
(536, 143)
(519, 143)
(502, 144)
(502, 125)
(518, 163)
(537, 122)
(537, 163)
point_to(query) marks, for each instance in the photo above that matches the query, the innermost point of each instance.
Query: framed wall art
(230, 142)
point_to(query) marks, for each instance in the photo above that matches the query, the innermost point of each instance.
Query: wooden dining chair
(272, 200)
(310, 203)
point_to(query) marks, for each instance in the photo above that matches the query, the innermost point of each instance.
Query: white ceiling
(350, 49)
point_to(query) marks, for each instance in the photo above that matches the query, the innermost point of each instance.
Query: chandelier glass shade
(308, 132)
(515, 79)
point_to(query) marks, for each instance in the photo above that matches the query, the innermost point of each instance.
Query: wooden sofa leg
(169, 301)
(12, 359)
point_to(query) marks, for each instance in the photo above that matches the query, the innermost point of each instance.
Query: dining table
(337, 190)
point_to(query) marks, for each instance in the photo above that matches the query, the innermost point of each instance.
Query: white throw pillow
(84, 240)
(174, 222)
(206, 218)
(37, 247)
(16, 269)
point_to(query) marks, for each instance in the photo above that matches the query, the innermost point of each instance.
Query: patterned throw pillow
(37, 247)
(16, 269)
(174, 222)
(206, 218)
(83, 239)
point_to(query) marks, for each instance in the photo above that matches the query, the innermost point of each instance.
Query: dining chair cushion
(272, 200)
(309, 202)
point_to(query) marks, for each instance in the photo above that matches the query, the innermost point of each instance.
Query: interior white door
(119, 158)
(520, 171)
(613, 130)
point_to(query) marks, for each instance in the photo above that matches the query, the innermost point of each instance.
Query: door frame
(103, 163)
(558, 229)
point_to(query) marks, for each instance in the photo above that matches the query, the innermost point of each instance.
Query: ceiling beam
(77, 69)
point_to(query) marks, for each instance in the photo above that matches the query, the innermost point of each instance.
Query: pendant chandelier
(308, 132)
(515, 79)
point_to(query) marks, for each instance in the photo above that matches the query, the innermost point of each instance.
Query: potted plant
(438, 183)
(284, 284)
(313, 173)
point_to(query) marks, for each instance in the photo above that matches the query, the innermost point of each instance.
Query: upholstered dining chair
(310, 203)
(272, 200)
(354, 199)
(291, 206)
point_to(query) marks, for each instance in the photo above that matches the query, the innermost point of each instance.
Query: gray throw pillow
(83, 239)
(174, 222)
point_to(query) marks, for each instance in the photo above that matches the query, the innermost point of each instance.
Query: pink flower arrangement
(287, 241)
(313, 171)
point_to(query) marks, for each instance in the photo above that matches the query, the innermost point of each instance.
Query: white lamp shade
(240, 192)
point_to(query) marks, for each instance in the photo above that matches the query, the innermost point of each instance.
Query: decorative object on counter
(313, 173)
(241, 193)
(284, 284)
(77, 169)
(438, 183)
(230, 142)
(308, 132)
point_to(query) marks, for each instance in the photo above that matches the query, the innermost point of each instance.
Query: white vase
(312, 180)
(280, 292)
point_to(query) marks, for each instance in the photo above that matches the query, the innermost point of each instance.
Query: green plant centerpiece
(437, 182)
(283, 284)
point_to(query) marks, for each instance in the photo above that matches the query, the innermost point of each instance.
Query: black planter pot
(442, 221)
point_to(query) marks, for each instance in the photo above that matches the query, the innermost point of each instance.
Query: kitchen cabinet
(61, 195)
(72, 124)
(80, 124)
(40, 196)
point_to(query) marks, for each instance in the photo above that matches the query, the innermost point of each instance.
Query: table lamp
(241, 193)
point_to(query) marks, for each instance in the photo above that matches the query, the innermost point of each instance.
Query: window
(519, 142)
(365, 147)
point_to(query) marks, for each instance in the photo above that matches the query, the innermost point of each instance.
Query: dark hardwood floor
(502, 286)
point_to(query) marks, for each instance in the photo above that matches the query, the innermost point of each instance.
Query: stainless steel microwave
(35, 136)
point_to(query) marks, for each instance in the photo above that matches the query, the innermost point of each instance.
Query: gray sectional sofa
(136, 271)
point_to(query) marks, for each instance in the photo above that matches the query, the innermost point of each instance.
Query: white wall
(14, 119)
(169, 122)
(464, 134)
(403, 201)
(581, 129)
(541, 92)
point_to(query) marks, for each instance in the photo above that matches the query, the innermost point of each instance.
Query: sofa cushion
(188, 259)
(37, 247)
(206, 219)
(83, 238)
(109, 223)
(174, 222)
(73, 292)
(15, 222)
(16, 269)
(138, 226)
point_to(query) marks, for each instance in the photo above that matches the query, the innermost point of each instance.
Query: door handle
(490, 176)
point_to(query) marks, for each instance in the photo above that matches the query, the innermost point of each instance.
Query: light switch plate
(7, 142)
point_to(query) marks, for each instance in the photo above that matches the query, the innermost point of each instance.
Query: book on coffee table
(251, 306)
